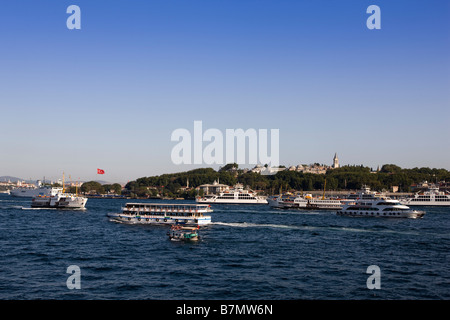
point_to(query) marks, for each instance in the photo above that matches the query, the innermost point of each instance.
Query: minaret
(335, 162)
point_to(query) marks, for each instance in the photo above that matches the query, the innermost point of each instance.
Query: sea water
(248, 252)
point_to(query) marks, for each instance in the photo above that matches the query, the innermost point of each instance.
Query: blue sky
(110, 95)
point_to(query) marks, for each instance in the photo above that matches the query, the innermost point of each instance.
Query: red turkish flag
(100, 171)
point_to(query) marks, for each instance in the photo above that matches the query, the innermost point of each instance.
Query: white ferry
(308, 202)
(164, 213)
(364, 194)
(30, 192)
(236, 195)
(304, 202)
(283, 201)
(371, 204)
(59, 201)
(431, 197)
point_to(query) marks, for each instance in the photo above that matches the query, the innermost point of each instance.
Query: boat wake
(11, 207)
(301, 212)
(258, 225)
(29, 208)
(310, 228)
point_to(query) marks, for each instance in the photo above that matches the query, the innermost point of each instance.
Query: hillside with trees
(343, 178)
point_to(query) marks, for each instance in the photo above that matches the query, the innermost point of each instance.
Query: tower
(335, 162)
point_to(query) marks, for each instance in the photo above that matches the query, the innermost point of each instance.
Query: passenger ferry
(370, 204)
(282, 201)
(318, 203)
(164, 213)
(304, 202)
(431, 197)
(237, 195)
(59, 201)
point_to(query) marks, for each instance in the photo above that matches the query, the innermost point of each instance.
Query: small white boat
(179, 233)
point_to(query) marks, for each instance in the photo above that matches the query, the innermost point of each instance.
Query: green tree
(229, 166)
(310, 186)
(343, 178)
(92, 187)
(390, 168)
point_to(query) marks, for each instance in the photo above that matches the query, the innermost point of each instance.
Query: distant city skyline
(56, 179)
(110, 94)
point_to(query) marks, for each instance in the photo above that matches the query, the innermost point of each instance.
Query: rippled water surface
(249, 252)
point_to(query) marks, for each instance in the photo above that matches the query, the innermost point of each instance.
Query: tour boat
(164, 213)
(370, 204)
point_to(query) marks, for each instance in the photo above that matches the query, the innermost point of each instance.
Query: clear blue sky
(109, 95)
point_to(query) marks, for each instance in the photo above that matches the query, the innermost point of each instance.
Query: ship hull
(425, 203)
(314, 204)
(355, 213)
(157, 219)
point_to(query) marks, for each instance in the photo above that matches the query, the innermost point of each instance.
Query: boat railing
(190, 210)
